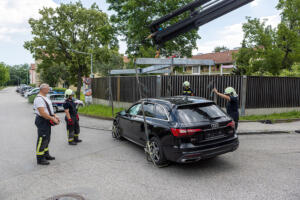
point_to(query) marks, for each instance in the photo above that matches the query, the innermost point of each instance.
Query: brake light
(184, 132)
(231, 124)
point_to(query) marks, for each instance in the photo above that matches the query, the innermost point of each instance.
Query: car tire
(115, 132)
(157, 153)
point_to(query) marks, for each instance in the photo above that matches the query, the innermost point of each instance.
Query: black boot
(72, 143)
(48, 157)
(77, 140)
(42, 161)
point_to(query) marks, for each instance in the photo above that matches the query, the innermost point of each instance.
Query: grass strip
(273, 117)
(99, 110)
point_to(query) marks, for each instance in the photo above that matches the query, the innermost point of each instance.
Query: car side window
(160, 113)
(134, 109)
(149, 110)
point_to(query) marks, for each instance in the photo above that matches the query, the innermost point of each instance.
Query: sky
(224, 31)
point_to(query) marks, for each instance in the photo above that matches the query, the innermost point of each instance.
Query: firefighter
(187, 91)
(72, 118)
(45, 118)
(232, 106)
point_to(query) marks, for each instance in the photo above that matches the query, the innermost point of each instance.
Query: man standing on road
(72, 118)
(45, 118)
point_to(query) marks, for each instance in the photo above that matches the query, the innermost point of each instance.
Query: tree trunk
(79, 82)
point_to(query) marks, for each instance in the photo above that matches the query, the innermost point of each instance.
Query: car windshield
(191, 114)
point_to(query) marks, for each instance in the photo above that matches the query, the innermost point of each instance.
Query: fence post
(244, 93)
(118, 88)
(111, 98)
(158, 86)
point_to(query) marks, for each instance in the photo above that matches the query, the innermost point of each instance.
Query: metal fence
(254, 92)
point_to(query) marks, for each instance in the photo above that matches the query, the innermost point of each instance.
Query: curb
(277, 121)
(264, 132)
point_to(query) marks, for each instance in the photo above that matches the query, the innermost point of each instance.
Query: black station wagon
(181, 129)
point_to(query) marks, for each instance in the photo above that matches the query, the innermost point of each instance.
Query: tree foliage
(133, 17)
(60, 33)
(4, 74)
(267, 50)
(220, 49)
(54, 74)
(19, 74)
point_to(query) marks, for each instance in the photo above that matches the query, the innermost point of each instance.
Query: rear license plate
(214, 134)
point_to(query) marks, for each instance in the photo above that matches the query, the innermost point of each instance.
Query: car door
(157, 122)
(138, 123)
(125, 122)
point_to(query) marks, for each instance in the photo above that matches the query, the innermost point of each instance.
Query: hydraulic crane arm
(210, 10)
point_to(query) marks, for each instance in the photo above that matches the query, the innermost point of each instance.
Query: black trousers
(73, 130)
(44, 135)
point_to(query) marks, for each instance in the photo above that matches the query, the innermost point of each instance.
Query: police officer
(72, 118)
(232, 106)
(45, 117)
(187, 91)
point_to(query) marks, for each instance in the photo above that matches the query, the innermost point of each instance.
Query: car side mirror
(123, 113)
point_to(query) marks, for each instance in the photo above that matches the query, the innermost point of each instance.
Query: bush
(31, 98)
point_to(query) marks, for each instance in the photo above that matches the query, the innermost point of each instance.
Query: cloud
(255, 3)
(14, 15)
(231, 36)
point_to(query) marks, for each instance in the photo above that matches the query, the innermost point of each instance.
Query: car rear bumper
(186, 155)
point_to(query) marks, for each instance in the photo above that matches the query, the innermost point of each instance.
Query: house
(224, 63)
(33, 75)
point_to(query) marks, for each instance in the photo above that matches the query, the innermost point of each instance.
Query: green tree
(115, 62)
(61, 32)
(260, 53)
(4, 74)
(54, 74)
(133, 17)
(289, 31)
(19, 74)
(221, 49)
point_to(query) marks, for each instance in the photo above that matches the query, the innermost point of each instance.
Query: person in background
(232, 106)
(187, 91)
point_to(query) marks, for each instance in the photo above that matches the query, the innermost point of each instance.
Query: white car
(58, 101)
(32, 92)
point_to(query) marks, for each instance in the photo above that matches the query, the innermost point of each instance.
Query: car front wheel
(116, 131)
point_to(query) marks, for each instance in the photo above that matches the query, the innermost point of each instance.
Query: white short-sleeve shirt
(39, 102)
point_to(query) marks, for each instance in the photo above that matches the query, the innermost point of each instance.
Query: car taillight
(231, 124)
(184, 132)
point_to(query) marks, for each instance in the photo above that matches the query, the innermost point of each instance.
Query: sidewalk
(243, 129)
(257, 127)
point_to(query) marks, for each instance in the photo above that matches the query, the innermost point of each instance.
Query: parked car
(181, 129)
(25, 89)
(32, 92)
(58, 102)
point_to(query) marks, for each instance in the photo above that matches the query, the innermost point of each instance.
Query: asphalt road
(264, 167)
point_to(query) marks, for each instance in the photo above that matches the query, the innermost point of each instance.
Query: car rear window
(196, 113)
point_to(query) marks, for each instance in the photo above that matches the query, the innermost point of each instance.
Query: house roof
(219, 57)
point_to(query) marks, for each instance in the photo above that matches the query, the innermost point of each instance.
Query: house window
(196, 70)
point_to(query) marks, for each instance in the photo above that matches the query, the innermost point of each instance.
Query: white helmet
(186, 84)
(68, 93)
